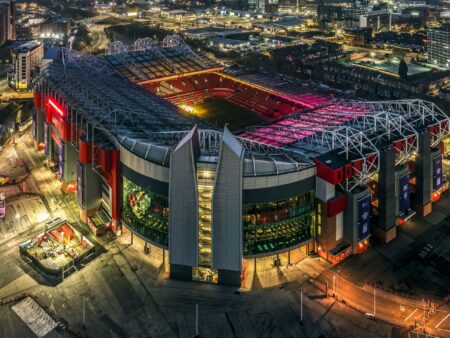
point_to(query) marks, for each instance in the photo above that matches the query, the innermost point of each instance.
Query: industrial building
(317, 175)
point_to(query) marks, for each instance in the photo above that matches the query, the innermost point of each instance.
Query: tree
(403, 69)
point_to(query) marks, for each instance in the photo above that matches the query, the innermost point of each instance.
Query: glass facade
(273, 226)
(145, 212)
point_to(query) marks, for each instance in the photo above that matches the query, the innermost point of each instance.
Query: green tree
(403, 69)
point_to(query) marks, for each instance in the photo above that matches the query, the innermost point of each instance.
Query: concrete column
(38, 125)
(354, 232)
(183, 212)
(48, 141)
(227, 212)
(327, 239)
(69, 157)
(89, 190)
(385, 229)
(424, 176)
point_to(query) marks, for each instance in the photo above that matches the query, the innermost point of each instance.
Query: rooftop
(28, 46)
(146, 61)
(227, 41)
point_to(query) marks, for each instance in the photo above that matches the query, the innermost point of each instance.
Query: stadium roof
(110, 109)
(260, 159)
(96, 98)
(145, 61)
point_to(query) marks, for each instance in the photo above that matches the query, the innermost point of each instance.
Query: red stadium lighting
(56, 107)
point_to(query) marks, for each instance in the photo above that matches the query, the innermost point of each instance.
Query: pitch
(220, 112)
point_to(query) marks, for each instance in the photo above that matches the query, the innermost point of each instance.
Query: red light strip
(59, 110)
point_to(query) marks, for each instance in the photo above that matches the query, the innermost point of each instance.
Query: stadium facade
(320, 175)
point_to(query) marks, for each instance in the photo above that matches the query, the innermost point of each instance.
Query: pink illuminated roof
(298, 126)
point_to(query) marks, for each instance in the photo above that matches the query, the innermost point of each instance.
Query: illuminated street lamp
(11, 131)
(374, 303)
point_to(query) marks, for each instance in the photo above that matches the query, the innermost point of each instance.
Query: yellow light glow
(187, 108)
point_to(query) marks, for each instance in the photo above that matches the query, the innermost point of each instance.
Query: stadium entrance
(268, 270)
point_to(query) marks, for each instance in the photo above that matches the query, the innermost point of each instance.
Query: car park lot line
(443, 320)
(409, 316)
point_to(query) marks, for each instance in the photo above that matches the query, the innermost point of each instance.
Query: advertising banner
(437, 173)
(61, 158)
(364, 216)
(34, 124)
(46, 139)
(405, 203)
(80, 184)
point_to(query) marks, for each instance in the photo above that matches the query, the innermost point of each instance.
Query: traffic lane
(363, 301)
(387, 310)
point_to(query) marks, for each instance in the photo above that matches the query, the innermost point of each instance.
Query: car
(4, 179)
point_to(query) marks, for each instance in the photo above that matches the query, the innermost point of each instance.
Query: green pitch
(220, 112)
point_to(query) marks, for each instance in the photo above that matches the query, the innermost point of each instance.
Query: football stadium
(220, 172)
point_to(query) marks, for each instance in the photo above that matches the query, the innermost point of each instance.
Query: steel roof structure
(110, 109)
(97, 100)
(357, 131)
(260, 158)
(146, 61)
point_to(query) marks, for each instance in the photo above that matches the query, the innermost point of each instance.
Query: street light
(301, 306)
(197, 332)
(374, 302)
(337, 285)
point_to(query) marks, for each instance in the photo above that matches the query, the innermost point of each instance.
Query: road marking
(442, 321)
(411, 314)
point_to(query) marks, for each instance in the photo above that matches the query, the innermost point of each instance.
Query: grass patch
(220, 112)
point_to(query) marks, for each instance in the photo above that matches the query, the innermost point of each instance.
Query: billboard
(364, 217)
(405, 203)
(437, 173)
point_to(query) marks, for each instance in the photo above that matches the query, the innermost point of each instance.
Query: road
(99, 39)
(389, 308)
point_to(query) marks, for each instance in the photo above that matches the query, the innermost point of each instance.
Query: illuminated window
(277, 225)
